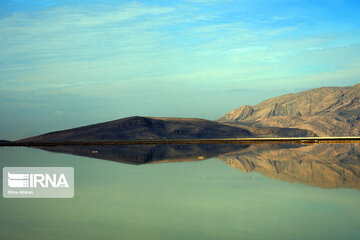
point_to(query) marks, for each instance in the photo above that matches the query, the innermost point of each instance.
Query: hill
(143, 128)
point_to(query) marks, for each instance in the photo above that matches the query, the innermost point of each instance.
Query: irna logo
(38, 182)
(16, 180)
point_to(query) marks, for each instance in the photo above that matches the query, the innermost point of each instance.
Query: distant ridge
(326, 111)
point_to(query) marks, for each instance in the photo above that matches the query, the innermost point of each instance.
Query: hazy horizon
(68, 63)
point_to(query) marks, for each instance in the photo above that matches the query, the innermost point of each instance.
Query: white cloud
(78, 51)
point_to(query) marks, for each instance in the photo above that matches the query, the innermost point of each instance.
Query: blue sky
(69, 63)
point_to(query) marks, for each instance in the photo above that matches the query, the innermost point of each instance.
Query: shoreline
(291, 140)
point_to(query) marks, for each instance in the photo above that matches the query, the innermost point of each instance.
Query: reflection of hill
(141, 154)
(322, 165)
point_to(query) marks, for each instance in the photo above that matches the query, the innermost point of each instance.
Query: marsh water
(192, 192)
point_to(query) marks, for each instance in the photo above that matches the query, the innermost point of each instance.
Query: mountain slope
(327, 111)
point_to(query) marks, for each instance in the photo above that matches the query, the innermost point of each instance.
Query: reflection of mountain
(321, 165)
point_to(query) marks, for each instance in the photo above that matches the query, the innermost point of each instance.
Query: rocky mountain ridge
(326, 111)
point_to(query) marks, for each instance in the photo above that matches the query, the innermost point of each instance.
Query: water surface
(193, 192)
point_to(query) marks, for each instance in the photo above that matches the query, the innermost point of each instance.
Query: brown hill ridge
(149, 128)
(326, 111)
(143, 128)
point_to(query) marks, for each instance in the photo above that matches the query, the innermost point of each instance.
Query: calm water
(251, 192)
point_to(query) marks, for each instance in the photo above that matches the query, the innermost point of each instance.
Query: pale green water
(189, 200)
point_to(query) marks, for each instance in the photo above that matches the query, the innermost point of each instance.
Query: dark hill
(150, 128)
(144, 128)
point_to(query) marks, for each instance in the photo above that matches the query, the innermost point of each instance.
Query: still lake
(192, 192)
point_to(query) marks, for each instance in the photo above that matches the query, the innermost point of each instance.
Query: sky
(65, 64)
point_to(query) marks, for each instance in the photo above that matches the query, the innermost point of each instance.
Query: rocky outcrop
(238, 114)
(327, 111)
